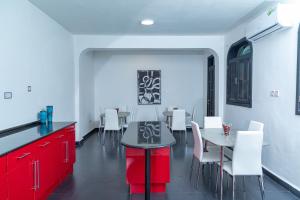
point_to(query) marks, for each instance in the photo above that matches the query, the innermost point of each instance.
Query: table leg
(147, 173)
(221, 172)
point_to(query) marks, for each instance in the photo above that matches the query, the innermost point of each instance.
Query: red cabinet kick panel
(135, 169)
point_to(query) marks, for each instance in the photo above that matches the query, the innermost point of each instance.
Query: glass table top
(147, 135)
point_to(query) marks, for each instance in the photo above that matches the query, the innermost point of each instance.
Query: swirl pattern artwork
(149, 87)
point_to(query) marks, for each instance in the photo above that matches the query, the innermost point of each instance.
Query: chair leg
(198, 175)
(217, 180)
(185, 135)
(192, 167)
(233, 186)
(104, 133)
(261, 184)
(228, 176)
(244, 185)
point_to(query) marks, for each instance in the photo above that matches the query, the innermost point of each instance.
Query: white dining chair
(246, 159)
(178, 122)
(255, 126)
(210, 157)
(191, 118)
(212, 122)
(130, 118)
(101, 121)
(171, 108)
(111, 121)
(158, 117)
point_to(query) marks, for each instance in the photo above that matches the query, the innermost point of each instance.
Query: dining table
(169, 114)
(217, 137)
(150, 137)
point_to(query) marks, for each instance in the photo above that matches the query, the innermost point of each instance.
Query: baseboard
(80, 143)
(282, 182)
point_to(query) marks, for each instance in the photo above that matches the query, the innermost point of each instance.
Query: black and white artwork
(149, 86)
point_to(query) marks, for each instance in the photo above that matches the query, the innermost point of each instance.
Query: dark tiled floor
(99, 173)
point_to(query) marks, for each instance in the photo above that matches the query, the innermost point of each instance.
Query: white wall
(34, 51)
(181, 80)
(86, 83)
(274, 68)
(116, 42)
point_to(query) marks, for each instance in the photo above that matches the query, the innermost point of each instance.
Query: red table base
(135, 169)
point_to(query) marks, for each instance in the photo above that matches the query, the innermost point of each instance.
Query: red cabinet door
(71, 144)
(45, 164)
(60, 152)
(21, 170)
(3, 179)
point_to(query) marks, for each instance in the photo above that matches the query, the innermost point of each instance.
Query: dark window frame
(298, 77)
(233, 62)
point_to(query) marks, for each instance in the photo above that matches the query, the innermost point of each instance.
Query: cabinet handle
(60, 136)
(46, 144)
(34, 175)
(38, 174)
(23, 156)
(67, 152)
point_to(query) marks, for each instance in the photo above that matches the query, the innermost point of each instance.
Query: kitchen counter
(17, 140)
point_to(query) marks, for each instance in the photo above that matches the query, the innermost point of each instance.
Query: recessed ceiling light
(147, 22)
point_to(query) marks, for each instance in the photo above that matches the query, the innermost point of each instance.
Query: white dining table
(217, 137)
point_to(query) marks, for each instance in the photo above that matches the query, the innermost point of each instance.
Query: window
(239, 74)
(298, 78)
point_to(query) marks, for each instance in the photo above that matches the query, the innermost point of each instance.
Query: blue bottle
(49, 113)
(43, 117)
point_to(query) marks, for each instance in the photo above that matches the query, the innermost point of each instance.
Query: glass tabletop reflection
(147, 135)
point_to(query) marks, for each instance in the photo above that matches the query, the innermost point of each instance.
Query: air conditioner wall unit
(274, 19)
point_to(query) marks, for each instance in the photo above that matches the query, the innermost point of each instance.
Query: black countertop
(14, 141)
(148, 135)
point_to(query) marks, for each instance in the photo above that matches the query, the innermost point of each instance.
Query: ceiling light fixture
(147, 22)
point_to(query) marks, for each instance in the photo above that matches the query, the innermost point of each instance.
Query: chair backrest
(198, 144)
(178, 123)
(246, 159)
(171, 108)
(111, 120)
(123, 108)
(193, 113)
(256, 126)
(157, 113)
(213, 122)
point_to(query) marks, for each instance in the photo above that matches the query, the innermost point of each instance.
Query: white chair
(158, 118)
(255, 126)
(191, 118)
(246, 160)
(171, 108)
(210, 157)
(178, 122)
(101, 121)
(111, 121)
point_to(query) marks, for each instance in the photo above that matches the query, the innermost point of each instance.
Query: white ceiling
(172, 17)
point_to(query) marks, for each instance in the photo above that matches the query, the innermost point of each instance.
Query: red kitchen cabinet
(45, 161)
(3, 179)
(33, 171)
(21, 174)
(70, 131)
(60, 152)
